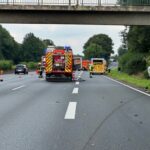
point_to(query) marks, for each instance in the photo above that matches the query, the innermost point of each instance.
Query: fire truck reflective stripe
(49, 62)
(68, 64)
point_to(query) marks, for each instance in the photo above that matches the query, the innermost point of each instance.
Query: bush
(146, 74)
(24, 63)
(148, 60)
(132, 63)
(32, 65)
(6, 65)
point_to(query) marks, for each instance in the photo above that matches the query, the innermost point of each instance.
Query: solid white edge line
(71, 110)
(128, 86)
(75, 91)
(18, 87)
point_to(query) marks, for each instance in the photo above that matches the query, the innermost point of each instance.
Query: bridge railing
(76, 2)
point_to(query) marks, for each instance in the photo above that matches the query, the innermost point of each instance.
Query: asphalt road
(89, 114)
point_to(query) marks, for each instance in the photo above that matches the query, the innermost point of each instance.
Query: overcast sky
(73, 35)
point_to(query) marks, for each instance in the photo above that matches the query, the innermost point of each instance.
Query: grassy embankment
(135, 80)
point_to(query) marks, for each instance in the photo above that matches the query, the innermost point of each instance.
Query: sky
(73, 35)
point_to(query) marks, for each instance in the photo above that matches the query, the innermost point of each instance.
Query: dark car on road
(20, 68)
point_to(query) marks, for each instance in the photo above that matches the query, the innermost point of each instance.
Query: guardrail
(77, 2)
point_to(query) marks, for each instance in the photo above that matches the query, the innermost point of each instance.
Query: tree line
(134, 53)
(31, 49)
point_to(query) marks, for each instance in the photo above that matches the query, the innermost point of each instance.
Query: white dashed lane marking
(19, 87)
(75, 91)
(79, 75)
(77, 83)
(71, 110)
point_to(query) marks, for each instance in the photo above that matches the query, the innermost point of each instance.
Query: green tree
(132, 63)
(124, 47)
(1, 55)
(124, 40)
(121, 51)
(48, 42)
(139, 39)
(100, 45)
(17, 53)
(93, 50)
(148, 60)
(8, 46)
(32, 48)
(134, 58)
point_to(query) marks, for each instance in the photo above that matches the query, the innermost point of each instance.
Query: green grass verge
(131, 79)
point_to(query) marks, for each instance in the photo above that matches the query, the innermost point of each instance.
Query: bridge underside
(71, 15)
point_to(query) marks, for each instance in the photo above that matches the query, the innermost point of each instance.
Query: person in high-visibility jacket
(91, 70)
(40, 70)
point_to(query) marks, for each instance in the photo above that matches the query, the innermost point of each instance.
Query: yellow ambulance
(99, 65)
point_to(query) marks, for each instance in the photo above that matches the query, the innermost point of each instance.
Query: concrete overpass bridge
(97, 12)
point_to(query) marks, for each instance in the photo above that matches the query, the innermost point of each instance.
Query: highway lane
(12, 81)
(91, 114)
(30, 114)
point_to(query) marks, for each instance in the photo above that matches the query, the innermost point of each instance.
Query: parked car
(20, 68)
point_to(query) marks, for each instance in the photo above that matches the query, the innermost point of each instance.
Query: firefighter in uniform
(40, 70)
(91, 70)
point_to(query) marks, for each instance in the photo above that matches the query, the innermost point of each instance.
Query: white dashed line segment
(75, 91)
(18, 87)
(77, 83)
(79, 75)
(71, 110)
